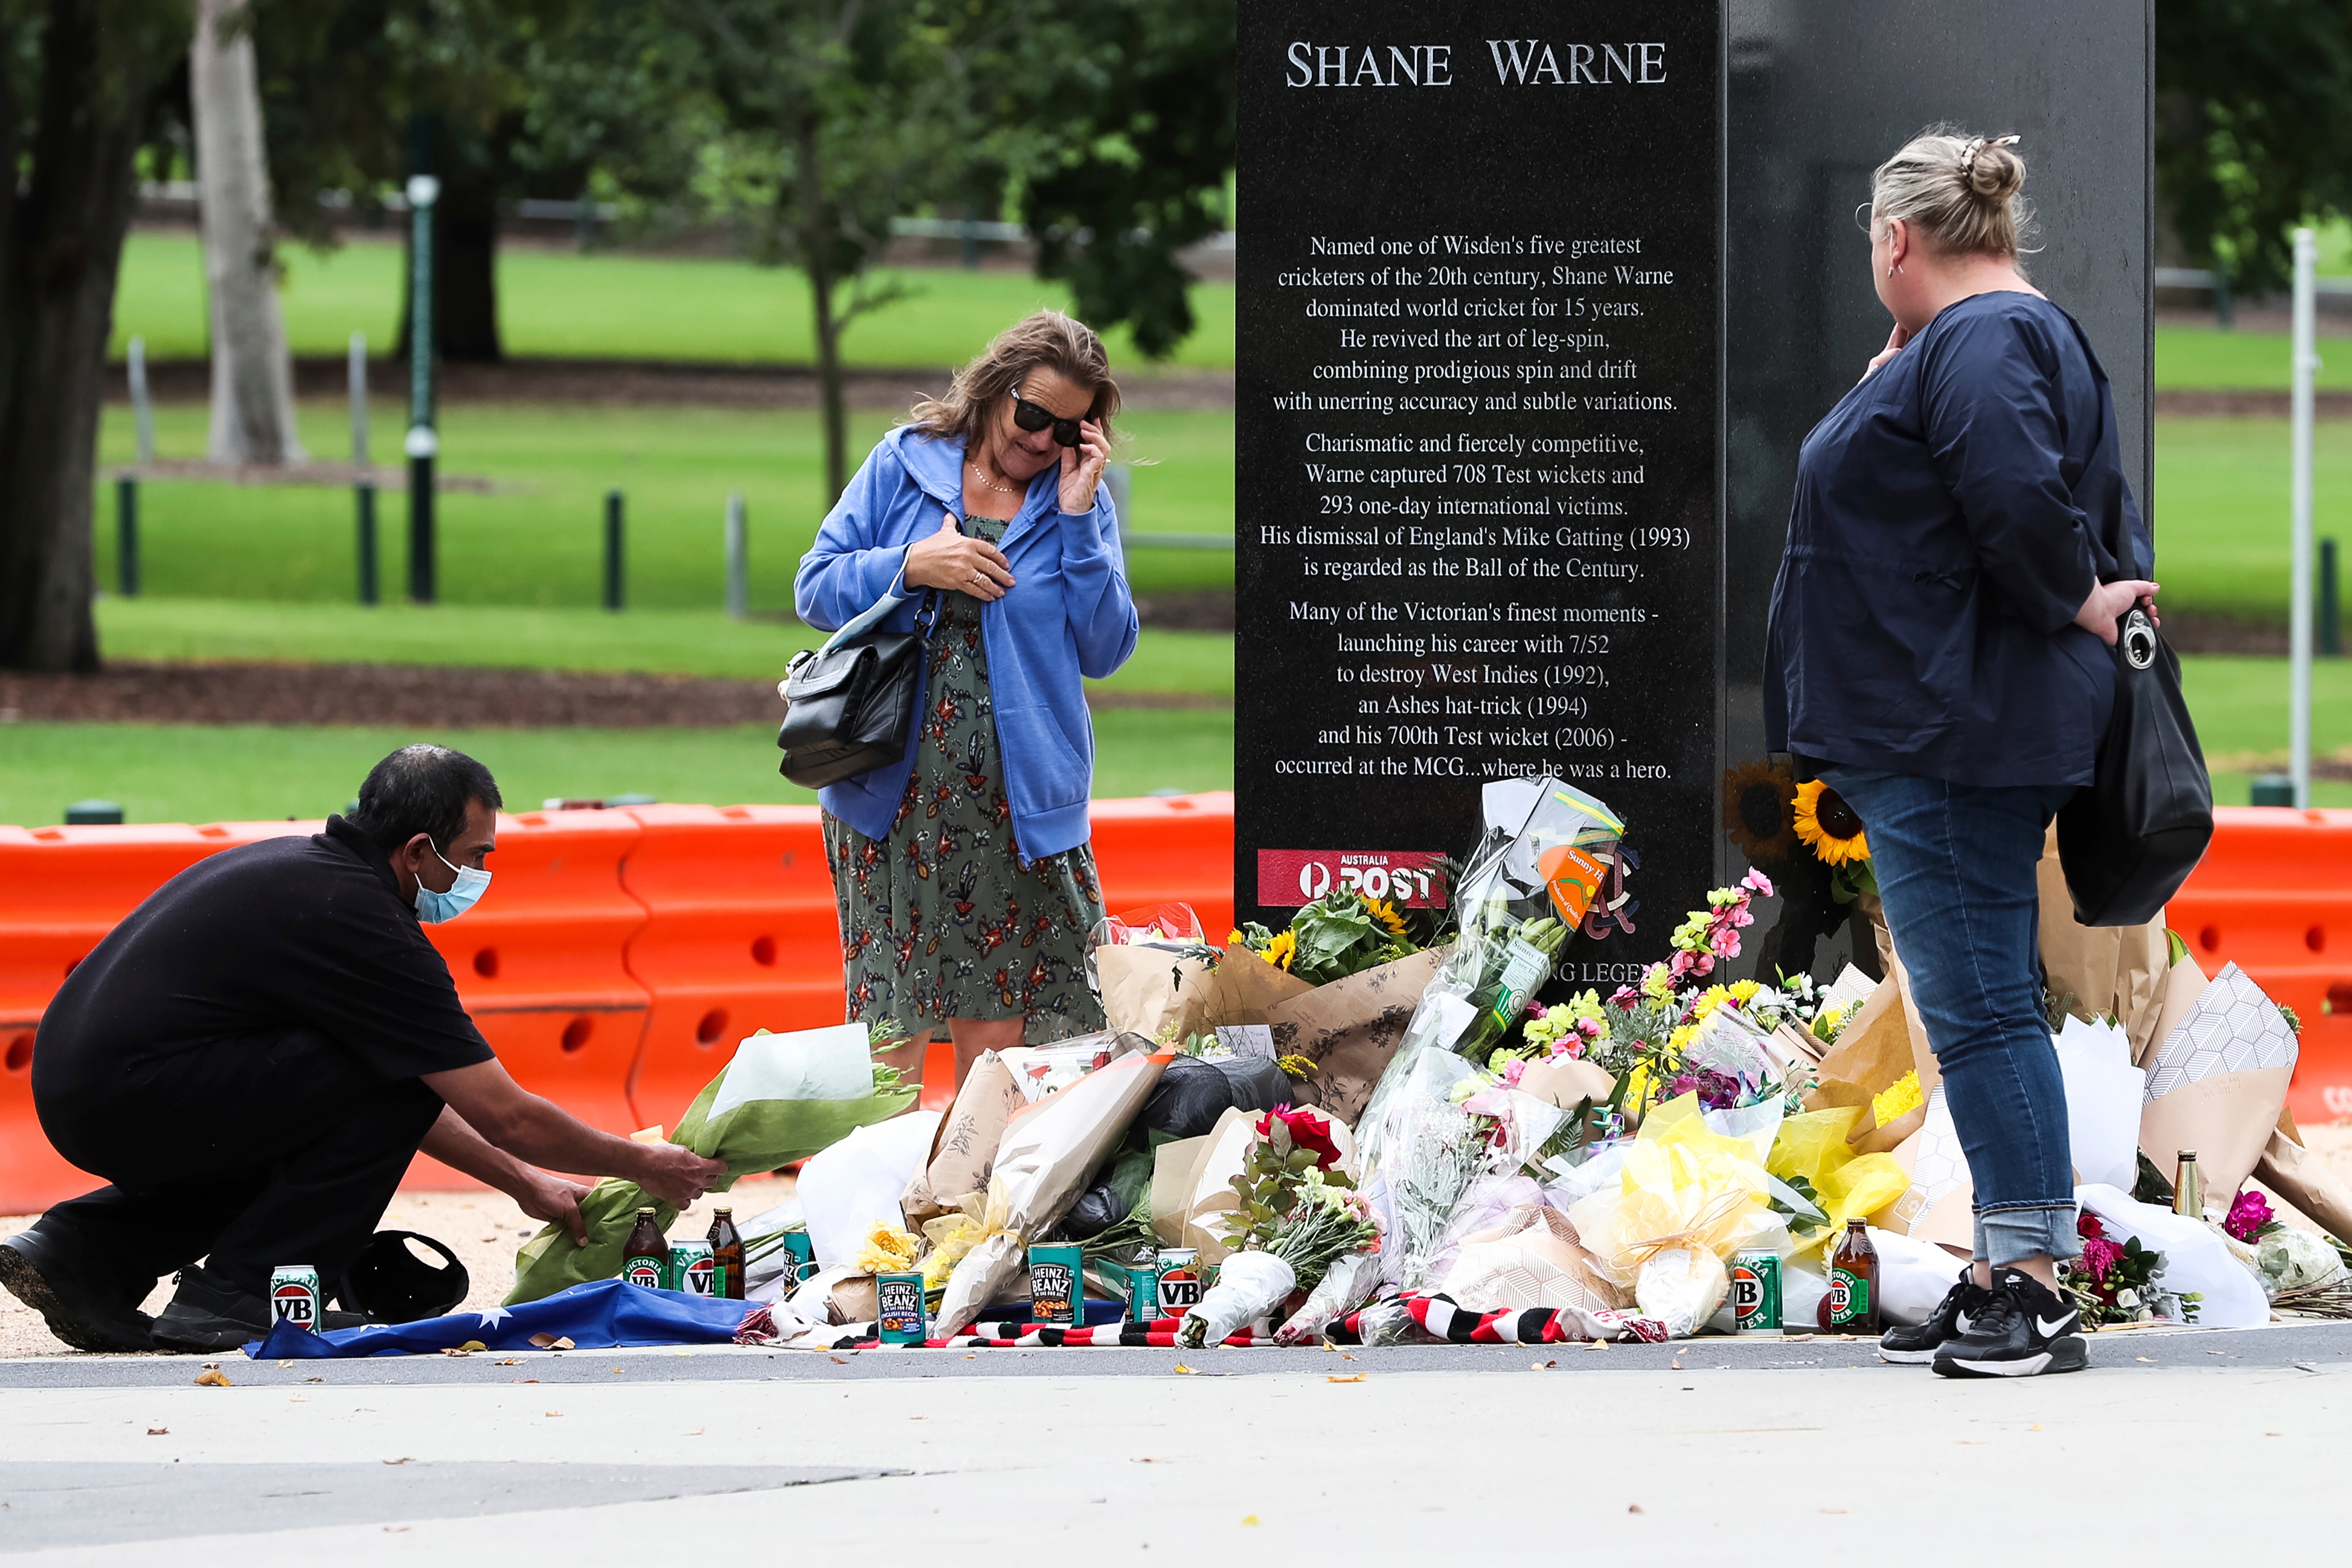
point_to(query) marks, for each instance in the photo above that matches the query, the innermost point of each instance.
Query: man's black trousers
(250, 1153)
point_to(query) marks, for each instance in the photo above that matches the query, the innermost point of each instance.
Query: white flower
(2126, 1297)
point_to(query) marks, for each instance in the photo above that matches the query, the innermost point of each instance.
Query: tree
(81, 82)
(2253, 127)
(253, 376)
(1113, 123)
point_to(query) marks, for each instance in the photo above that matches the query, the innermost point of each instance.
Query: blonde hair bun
(1962, 191)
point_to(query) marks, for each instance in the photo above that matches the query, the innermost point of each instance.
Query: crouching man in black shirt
(254, 1056)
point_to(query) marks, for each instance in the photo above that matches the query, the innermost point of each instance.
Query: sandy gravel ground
(483, 1228)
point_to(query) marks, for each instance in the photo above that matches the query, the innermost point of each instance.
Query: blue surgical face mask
(433, 907)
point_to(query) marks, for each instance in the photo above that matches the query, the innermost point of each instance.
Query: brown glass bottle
(1852, 1305)
(646, 1259)
(727, 1254)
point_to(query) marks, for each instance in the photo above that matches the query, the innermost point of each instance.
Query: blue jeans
(1956, 872)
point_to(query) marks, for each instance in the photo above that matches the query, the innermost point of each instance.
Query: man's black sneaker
(2024, 1329)
(38, 1270)
(1916, 1345)
(208, 1313)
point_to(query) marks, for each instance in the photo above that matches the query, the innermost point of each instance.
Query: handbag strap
(865, 620)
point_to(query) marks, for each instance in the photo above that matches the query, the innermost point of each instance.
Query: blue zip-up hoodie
(1068, 616)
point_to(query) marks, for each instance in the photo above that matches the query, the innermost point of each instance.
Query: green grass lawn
(537, 538)
(2221, 523)
(665, 642)
(251, 774)
(2205, 359)
(606, 306)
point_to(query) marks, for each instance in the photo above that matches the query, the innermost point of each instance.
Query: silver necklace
(992, 484)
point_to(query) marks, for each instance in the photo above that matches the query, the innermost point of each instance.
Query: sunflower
(1280, 951)
(1824, 821)
(1387, 915)
(1757, 813)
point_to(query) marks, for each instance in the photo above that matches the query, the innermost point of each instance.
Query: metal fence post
(613, 557)
(739, 558)
(422, 444)
(126, 535)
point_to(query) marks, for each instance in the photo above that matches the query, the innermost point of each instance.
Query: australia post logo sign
(1413, 878)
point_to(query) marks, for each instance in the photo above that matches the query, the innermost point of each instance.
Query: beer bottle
(2188, 1186)
(645, 1260)
(1852, 1305)
(727, 1253)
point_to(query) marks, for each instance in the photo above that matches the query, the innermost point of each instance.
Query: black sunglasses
(1033, 418)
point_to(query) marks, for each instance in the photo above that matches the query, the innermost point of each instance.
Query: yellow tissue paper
(1684, 1185)
(1814, 1144)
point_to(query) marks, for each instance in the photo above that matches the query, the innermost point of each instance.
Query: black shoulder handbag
(2129, 841)
(850, 704)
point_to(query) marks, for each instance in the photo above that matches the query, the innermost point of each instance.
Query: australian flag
(604, 1314)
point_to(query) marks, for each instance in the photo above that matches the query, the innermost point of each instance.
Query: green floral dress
(941, 920)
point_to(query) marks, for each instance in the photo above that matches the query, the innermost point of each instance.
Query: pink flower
(1757, 882)
(1589, 1027)
(1626, 997)
(2099, 1256)
(1514, 1071)
(2248, 1215)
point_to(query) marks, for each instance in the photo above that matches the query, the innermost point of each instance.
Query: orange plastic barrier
(739, 935)
(61, 890)
(2274, 895)
(1175, 847)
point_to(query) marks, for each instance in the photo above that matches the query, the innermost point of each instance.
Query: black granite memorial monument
(1535, 302)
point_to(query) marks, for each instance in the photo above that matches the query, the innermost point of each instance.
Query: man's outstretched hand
(678, 1176)
(555, 1200)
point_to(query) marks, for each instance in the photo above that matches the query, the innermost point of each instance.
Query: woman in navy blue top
(1960, 547)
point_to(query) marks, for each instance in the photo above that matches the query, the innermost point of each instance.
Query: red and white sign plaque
(1413, 878)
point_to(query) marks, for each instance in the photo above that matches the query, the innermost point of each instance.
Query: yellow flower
(887, 1251)
(1387, 915)
(1756, 812)
(1896, 1099)
(1232, 937)
(1743, 990)
(1711, 998)
(1680, 1040)
(1280, 951)
(1826, 823)
(1297, 1066)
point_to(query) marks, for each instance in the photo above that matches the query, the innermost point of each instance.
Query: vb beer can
(1179, 1282)
(1058, 1285)
(803, 1252)
(294, 1297)
(899, 1309)
(1756, 1291)
(690, 1268)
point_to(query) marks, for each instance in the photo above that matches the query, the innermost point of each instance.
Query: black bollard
(613, 550)
(370, 591)
(126, 536)
(2331, 624)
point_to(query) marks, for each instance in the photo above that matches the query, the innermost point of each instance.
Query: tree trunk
(63, 212)
(253, 376)
(815, 243)
(465, 270)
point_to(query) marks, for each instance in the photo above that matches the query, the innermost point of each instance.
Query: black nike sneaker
(2024, 1329)
(1916, 1345)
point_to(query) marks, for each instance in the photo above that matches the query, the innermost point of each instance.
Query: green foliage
(2254, 126)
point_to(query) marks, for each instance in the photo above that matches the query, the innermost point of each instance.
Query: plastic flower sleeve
(1250, 1286)
(1346, 1285)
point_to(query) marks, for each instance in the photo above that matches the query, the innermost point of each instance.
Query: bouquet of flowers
(2122, 1282)
(1325, 1221)
(1294, 1151)
(1344, 932)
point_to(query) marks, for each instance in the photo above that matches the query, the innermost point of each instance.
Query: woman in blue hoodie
(966, 885)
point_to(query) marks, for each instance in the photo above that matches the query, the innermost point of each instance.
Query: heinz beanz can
(294, 1296)
(899, 1309)
(1179, 1282)
(690, 1268)
(1056, 1285)
(1756, 1291)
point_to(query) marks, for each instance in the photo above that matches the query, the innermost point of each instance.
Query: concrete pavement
(1774, 1451)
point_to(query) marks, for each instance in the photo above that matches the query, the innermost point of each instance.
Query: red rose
(1306, 1130)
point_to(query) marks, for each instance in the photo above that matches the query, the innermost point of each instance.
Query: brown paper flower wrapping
(1350, 1029)
(2218, 1083)
(1530, 1260)
(963, 1150)
(1160, 993)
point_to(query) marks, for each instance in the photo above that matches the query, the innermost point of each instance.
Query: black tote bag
(2128, 840)
(850, 704)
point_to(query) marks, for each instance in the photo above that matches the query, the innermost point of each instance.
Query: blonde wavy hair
(1046, 340)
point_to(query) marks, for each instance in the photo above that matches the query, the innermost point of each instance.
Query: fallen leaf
(551, 1343)
(473, 1345)
(1796, 1339)
(554, 1413)
(1344, 1356)
(914, 1419)
(1327, 1345)
(284, 1364)
(616, 1372)
(2273, 1434)
(1359, 1377)
(837, 1360)
(299, 1399)
(1157, 1461)
(1969, 1442)
(1632, 1507)
(510, 1360)
(1832, 1510)
(2149, 1359)
(166, 1431)
(1249, 1520)
(1182, 1368)
(698, 1432)
(1675, 1364)
(402, 1460)
(212, 1377)
(454, 1349)
(396, 1530)
(314, 1380)
(681, 1352)
(2035, 1428)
